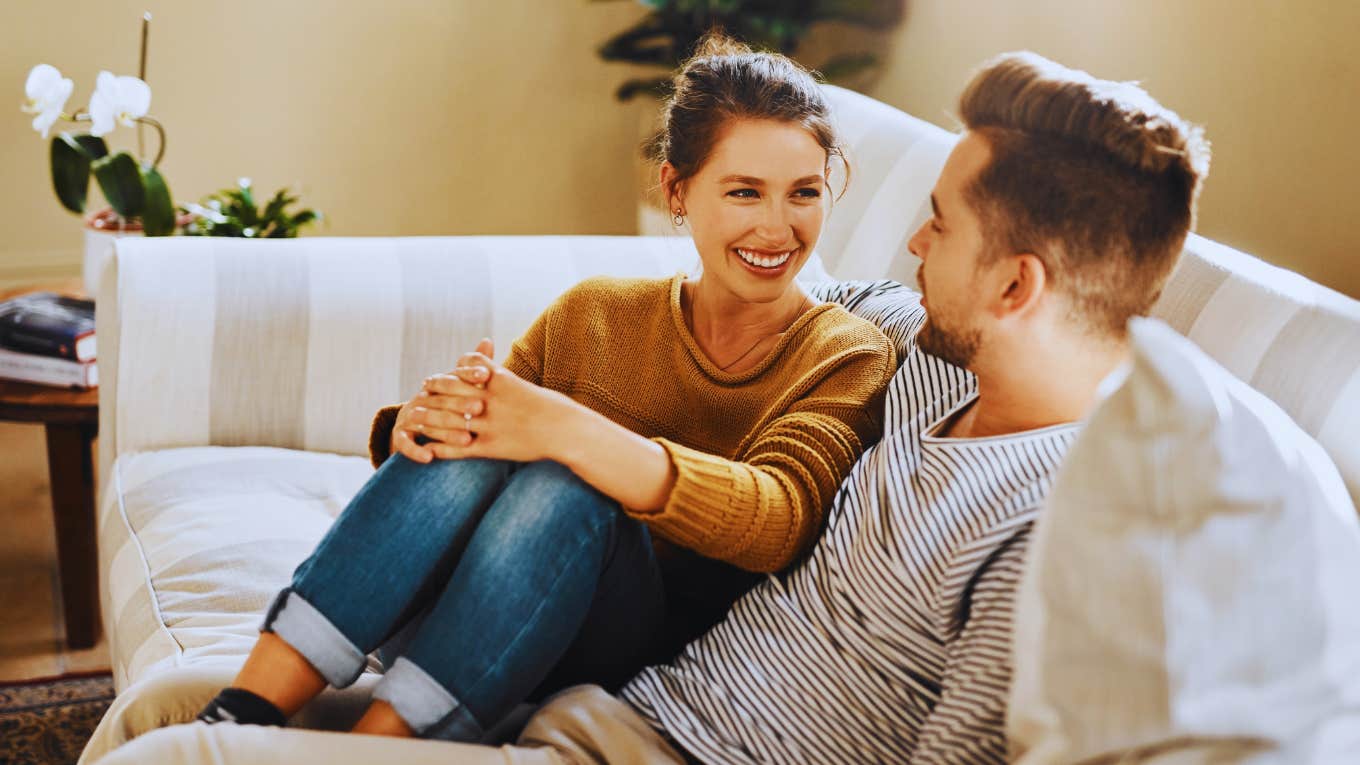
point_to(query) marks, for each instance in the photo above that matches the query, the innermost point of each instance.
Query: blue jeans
(495, 578)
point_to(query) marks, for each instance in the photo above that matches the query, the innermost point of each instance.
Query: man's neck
(1036, 391)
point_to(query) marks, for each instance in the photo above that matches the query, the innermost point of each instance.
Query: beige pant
(580, 725)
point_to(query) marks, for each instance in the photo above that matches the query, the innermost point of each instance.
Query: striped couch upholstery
(239, 378)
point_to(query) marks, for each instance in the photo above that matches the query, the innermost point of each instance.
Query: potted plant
(134, 189)
(232, 212)
(138, 196)
(667, 35)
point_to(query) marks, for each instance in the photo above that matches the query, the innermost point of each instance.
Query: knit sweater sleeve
(766, 508)
(380, 435)
(527, 353)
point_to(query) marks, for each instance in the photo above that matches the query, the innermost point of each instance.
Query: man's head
(1066, 201)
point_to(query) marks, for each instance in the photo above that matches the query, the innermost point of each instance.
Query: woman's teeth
(764, 261)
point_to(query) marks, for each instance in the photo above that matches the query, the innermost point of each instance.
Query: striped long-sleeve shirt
(891, 642)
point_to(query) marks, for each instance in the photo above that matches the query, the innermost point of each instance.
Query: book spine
(58, 345)
(46, 370)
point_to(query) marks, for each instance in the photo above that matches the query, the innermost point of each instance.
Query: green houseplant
(667, 35)
(233, 212)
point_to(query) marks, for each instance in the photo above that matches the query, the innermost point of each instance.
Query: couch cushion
(895, 159)
(195, 542)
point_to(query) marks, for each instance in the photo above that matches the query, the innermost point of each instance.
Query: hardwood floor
(31, 628)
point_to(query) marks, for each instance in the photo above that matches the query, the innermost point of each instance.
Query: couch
(239, 378)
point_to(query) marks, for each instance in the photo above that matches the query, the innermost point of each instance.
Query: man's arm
(968, 725)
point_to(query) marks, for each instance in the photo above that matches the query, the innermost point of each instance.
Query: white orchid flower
(47, 92)
(213, 214)
(117, 101)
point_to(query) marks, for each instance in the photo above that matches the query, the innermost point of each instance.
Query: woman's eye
(935, 226)
(743, 193)
(809, 193)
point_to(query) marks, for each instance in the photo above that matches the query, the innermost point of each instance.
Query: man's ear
(1023, 279)
(670, 188)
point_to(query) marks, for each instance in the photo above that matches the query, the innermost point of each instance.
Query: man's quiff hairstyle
(1094, 177)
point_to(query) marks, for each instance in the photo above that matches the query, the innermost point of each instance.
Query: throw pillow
(1190, 595)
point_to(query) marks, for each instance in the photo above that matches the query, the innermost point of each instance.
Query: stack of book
(48, 339)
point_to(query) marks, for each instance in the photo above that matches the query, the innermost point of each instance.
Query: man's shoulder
(893, 308)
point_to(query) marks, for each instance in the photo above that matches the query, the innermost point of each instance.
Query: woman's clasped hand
(480, 409)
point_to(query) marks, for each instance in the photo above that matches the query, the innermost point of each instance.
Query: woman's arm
(765, 509)
(635, 471)
(517, 420)
(760, 511)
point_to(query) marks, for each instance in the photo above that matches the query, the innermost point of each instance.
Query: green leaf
(70, 172)
(647, 42)
(659, 87)
(158, 217)
(274, 210)
(247, 197)
(93, 146)
(121, 181)
(244, 207)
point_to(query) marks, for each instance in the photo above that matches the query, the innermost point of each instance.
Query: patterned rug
(47, 722)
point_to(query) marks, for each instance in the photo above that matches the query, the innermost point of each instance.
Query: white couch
(239, 378)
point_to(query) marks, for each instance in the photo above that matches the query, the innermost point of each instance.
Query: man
(1059, 215)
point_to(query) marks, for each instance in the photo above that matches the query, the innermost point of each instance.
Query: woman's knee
(442, 479)
(548, 496)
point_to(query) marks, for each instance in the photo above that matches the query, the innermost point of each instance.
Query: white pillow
(1191, 591)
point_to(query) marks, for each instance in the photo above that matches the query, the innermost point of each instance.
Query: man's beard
(955, 347)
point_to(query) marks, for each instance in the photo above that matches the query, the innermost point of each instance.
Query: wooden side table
(71, 418)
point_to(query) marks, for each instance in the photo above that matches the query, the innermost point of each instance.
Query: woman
(505, 543)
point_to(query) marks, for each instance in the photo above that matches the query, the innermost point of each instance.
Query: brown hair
(1094, 177)
(725, 80)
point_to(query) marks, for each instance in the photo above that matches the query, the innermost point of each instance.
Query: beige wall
(395, 117)
(1276, 83)
(467, 116)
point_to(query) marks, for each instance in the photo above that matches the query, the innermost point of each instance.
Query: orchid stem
(159, 130)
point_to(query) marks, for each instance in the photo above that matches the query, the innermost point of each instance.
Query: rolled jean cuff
(425, 705)
(311, 634)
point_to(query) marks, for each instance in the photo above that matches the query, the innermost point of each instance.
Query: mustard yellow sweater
(758, 455)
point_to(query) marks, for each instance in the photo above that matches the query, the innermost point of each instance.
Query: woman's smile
(766, 263)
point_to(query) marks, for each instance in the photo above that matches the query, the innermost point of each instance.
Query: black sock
(241, 706)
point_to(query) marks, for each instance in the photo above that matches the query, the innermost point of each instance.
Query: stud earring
(678, 218)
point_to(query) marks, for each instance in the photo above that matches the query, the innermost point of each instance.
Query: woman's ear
(670, 187)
